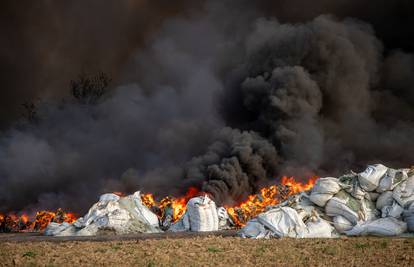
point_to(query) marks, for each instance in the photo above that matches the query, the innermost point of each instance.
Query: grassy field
(213, 251)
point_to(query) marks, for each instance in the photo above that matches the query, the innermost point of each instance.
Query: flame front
(177, 206)
(268, 196)
(23, 223)
(170, 206)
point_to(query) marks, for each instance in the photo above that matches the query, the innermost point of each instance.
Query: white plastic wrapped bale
(283, 222)
(112, 214)
(324, 189)
(202, 214)
(382, 227)
(370, 178)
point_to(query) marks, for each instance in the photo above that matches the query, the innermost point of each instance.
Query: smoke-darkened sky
(223, 95)
(44, 44)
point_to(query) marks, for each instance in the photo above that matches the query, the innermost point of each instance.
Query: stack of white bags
(378, 201)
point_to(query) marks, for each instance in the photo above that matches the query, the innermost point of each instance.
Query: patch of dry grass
(213, 251)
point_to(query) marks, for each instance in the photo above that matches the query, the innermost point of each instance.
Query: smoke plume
(226, 98)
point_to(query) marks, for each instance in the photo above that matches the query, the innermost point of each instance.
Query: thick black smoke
(226, 99)
(44, 44)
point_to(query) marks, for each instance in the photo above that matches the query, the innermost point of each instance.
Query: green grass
(29, 254)
(214, 249)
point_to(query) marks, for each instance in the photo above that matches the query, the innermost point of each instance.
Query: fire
(296, 187)
(24, 223)
(169, 207)
(177, 206)
(268, 196)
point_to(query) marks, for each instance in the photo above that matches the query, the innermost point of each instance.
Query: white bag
(108, 197)
(394, 210)
(324, 189)
(133, 203)
(254, 229)
(404, 192)
(319, 228)
(283, 222)
(223, 218)
(342, 224)
(182, 225)
(368, 210)
(320, 199)
(113, 214)
(370, 178)
(382, 227)
(343, 205)
(385, 199)
(202, 214)
(58, 229)
(391, 179)
(327, 185)
(409, 217)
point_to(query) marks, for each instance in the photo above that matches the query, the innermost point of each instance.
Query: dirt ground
(211, 251)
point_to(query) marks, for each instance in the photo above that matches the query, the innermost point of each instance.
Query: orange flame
(178, 205)
(240, 214)
(268, 196)
(23, 223)
(296, 187)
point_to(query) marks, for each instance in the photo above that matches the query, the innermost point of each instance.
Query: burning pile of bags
(126, 215)
(378, 201)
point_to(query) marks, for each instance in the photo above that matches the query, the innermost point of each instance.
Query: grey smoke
(227, 100)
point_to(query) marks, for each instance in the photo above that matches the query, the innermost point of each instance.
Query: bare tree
(89, 89)
(30, 111)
